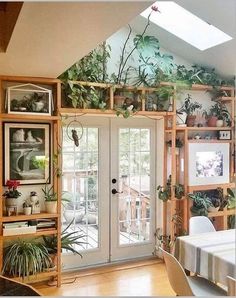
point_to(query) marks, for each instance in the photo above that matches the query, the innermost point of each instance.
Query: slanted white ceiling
(221, 14)
(51, 36)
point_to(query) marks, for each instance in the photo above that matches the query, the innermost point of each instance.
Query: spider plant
(68, 240)
(25, 258)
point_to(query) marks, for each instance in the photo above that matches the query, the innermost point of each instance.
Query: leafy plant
(231, 197)
(25, 258)
(68, 240)
(178, 143)
(201, 203)
(220, 111)
(49, 194)
(164, 193)
(189, 107)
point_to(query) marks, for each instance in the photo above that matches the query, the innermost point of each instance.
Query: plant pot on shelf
(213, 209)
(177, 149)
(51, 207)
(119, 100)
(27, 210)
(11, 202)
(190, 121)
(219, 123)
(211, 122)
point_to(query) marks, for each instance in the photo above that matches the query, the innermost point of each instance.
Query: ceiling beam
(9, 12)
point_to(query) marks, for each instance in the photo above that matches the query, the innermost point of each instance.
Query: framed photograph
(208, 163)
(27, 152)
(29, 99)
(224, 135)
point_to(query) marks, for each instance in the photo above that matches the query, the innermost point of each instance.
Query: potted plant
(164, 98)
(201, 203)
(164, 193)
(12, 193)
(178, 144)
(68, 241)
(24, 258)
(217, 115)
(189, 108)
(27, 208)
(231, 198)
(50, 199)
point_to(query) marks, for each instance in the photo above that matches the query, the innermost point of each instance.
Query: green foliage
(24, 258)
(178, 143)
(49, 194)
(189, 107)
(201, 203)
(231, 198)
(220, 111)
(164, 193)
(68, 240)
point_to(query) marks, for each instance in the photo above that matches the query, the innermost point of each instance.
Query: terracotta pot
(190, 121)
(211, 122)
(119, 100)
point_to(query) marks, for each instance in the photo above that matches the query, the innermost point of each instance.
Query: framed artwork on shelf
(208, 163)
(27, 152)
(29, 99)
(224, 135)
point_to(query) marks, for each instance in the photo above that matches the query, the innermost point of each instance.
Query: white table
(212, 255)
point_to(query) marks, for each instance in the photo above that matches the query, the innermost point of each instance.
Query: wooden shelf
(222, 213)
(37, 234)
(210, 187)
(21, 117)
(227, 98)
(202, 128)
(209, 141)
(22, 217)
(34, 80)
(111, 112)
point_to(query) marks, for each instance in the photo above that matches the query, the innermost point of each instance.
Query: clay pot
(190, 121)
(119, 100)
(211, 122)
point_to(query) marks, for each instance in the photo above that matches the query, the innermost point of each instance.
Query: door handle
(114, 191)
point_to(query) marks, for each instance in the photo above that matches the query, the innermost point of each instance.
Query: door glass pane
(134, 178)
(80, 184)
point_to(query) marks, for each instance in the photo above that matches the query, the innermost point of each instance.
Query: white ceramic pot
(220, 123)
(51, 206)
(77, 215)
(27, 210)
(213, 209)
(34, 199)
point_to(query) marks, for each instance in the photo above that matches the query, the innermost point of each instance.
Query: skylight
(186, 25)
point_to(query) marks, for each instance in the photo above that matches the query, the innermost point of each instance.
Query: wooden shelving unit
(172, 164)
(55, 123)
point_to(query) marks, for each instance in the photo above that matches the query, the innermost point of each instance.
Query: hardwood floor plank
(142, 278)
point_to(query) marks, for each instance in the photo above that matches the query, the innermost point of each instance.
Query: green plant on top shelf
(220, 111)
(201, 203)
(24, 258)
(189, 107)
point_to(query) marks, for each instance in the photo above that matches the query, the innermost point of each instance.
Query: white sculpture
(30, 137)
(18, 136)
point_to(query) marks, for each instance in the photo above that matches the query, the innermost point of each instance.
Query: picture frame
(208, 163)
(29, 99)
(224, 135)
(27, 152)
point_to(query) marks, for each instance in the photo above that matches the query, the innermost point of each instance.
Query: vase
(119, 100)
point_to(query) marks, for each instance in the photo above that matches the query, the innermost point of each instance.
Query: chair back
(231, 282)
(200, 224)
(176, 275)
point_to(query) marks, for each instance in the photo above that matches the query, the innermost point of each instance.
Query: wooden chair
(200, 224)
(184, 285)
(231, 282)
(10, 287)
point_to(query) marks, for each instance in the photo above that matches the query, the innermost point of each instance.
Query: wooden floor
(140, 278)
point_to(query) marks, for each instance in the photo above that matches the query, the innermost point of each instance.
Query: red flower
(155, 8)
(12, 184)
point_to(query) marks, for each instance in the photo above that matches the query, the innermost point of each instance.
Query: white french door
(113, 155)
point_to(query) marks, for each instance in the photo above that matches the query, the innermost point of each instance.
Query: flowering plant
(12, 191)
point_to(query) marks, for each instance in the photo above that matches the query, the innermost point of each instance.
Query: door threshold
(113, 266)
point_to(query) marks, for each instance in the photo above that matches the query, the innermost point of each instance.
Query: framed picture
(224, 135)
(208, 163)
(27, 152)
(29, 99)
